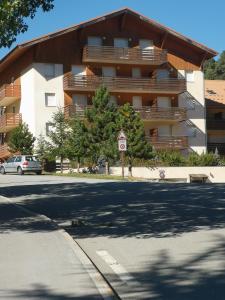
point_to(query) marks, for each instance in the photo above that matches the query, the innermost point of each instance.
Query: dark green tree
(102, 129)
(42, 150)
(13, 14)
(21, 140)
(220, 67)
(78, 141)
(58, 137)
(133, 127)
(210, 69)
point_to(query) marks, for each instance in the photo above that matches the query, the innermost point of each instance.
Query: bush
(171, 158)
(203, 160)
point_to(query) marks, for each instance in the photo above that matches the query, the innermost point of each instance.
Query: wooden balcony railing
(219, 146)
(146, 112)
(168, 142)
(9, 121)
(4, 152)
(124, 84)
(137, 56)
(215, 124)
(9, 92)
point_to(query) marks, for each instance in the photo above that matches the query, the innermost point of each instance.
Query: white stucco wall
(215, 174)
(196, 113)
(34, 85)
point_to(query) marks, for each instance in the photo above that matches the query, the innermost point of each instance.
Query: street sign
(122, 141)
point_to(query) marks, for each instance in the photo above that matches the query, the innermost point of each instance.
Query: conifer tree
(42, 150)
(102, 129)
(21, 140)
(58, 137)
(133, 127)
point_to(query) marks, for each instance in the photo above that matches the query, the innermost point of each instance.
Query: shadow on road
(120, 209)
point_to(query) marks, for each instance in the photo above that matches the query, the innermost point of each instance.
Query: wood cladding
(9, 121)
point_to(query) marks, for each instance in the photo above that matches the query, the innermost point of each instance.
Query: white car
(21, 164)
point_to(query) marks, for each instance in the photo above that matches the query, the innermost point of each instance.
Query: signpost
(122, 146)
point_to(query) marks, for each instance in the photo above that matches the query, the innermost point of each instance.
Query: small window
(94, 41)
(49, 71)
(190, 76)
(136, 72)
(218, 116)
(50, 99)
(49, 128)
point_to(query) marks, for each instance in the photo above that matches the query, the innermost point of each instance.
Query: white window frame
(46, 100)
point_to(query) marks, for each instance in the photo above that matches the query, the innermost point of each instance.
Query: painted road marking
(116, 267)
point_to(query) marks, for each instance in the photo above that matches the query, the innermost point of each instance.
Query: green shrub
(171, 158)
(203, 160)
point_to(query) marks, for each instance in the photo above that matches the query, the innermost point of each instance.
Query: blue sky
(202, 20)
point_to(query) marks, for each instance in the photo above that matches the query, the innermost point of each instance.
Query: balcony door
(162, 74)
(79, 70)
(146, 44)
(94, 41)
(120, 43)
(80, 101)
(164, 102)
(108, 72)
(137, 101)
(136, 72)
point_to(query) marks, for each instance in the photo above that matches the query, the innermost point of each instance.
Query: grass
(93, 176)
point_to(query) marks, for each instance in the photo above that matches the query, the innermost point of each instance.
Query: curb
(102, 285)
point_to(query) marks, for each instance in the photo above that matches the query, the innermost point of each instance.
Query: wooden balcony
(4, 152)
(134, 56)
(124, 84)
(211, 147)
(9, 121)
(9, 93)
(168, 142)
(148, 113)
(215, 124)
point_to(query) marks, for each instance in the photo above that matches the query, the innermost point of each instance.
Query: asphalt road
(151, 241)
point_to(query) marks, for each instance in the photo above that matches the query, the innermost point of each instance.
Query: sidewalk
(39, 261)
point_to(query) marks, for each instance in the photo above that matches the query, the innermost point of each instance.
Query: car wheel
(2, 170)
(20, 171)
(38, 172)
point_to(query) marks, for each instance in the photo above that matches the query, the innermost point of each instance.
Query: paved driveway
(152, 241)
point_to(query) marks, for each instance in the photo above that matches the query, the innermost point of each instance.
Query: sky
(201, 20)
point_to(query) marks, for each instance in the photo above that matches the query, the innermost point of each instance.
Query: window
(50, 99)
(146, 44)
(49, 128)
(94, 41)
(190, 76)
(136, 72)
(120, 43)
(218, 116)
(49, 71)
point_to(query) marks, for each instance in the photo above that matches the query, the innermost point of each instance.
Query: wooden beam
(203, 61)
(164, 39)
(123, 21)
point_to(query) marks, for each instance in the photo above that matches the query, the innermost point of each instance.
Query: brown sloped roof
(215, 92)
(19, 49)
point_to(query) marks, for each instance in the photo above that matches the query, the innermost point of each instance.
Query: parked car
(21, 164)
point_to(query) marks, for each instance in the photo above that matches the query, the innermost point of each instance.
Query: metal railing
(124, 84)
(9, 120)
(124, 55)
(219, 146)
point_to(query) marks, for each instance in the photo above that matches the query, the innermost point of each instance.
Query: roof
(19, 49)
(215, 92)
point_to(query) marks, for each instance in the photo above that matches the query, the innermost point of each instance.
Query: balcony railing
(219, 146)
(137, 56)
(124, 84)
(9, 93)
(150, 113)
(215, 124)
(4, 152)
(9, 121)
(169, 142)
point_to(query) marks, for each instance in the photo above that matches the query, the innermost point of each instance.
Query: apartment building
(215, 117)
(140, 61)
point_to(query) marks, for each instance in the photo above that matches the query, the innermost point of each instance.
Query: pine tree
(78, 141)
(210, 69)
(137, 145)
(220, 67)
(21, 140)
(42, 150)
(102, 129)
(59, 137)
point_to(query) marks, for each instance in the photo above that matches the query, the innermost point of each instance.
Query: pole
(122, 162)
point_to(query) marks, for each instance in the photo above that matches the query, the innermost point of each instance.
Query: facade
(215, 108)
(156, 69)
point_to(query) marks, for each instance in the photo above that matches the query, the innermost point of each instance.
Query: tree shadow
(40, 291)
(120, 208)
